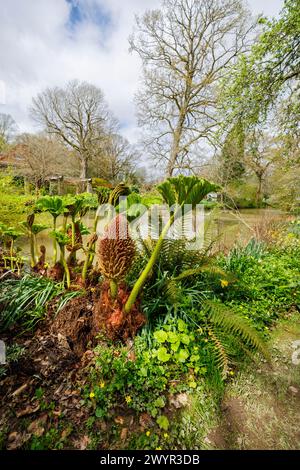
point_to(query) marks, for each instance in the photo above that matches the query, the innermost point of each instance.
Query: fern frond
(222, 360)
(232, 323)
(208, 268)
(205, 233)
(183, 227)
(173, 292)
(173, 255)
(147, 246)
(247, 352)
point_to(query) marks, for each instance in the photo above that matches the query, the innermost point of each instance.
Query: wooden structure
(59, 184)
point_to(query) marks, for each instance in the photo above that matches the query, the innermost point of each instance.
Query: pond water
(230, 227)
(239, 226)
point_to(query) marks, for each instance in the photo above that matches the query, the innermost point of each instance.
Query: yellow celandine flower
(128, 399)
(92, 395)
(166, 435)
(224, 283)
(231, 372)
(148, 433)
(102, 384)
(158, 448)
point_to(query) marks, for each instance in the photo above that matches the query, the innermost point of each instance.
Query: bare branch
(185, 49)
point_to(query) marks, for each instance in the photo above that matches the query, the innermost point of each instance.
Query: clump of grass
(24, 301)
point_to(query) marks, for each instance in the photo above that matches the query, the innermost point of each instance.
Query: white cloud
(38, 49)
(267, 7)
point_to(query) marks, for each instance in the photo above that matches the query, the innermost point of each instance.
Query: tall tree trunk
(177, 136)
(259, 191)
(83, 173)
(84, 167)
(175, 145)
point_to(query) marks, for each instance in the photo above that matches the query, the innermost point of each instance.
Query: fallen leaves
(119, 420)
(37, 427)
(123, 435)
(19, 390)
(17, 439)
(179, 401)
(28, 410)
(82, 443)
(66, 432)
(145, 421)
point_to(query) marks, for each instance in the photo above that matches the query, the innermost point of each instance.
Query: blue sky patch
(75, 13)
(92, 12)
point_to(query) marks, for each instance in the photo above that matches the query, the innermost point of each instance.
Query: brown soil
(50, 365)
(233, 423)
(56, 272)
(42, 392)
(83, 318)
(75, 322)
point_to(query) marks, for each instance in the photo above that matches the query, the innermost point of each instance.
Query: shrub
(267, 282)
(100, 182)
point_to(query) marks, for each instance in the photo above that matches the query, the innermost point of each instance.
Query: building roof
(12, 157)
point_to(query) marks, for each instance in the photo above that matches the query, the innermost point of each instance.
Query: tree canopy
(272, 70)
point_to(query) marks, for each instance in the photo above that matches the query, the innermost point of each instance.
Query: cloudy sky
(48, 42)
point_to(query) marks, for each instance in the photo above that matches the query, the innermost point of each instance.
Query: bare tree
(8, 129)
(78, 115)
(115, 160)
(42, 157)
(185, 49)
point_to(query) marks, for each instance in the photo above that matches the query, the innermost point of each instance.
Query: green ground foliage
(14, 205)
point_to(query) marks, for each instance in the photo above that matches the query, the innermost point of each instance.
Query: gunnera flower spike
(116, 251)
